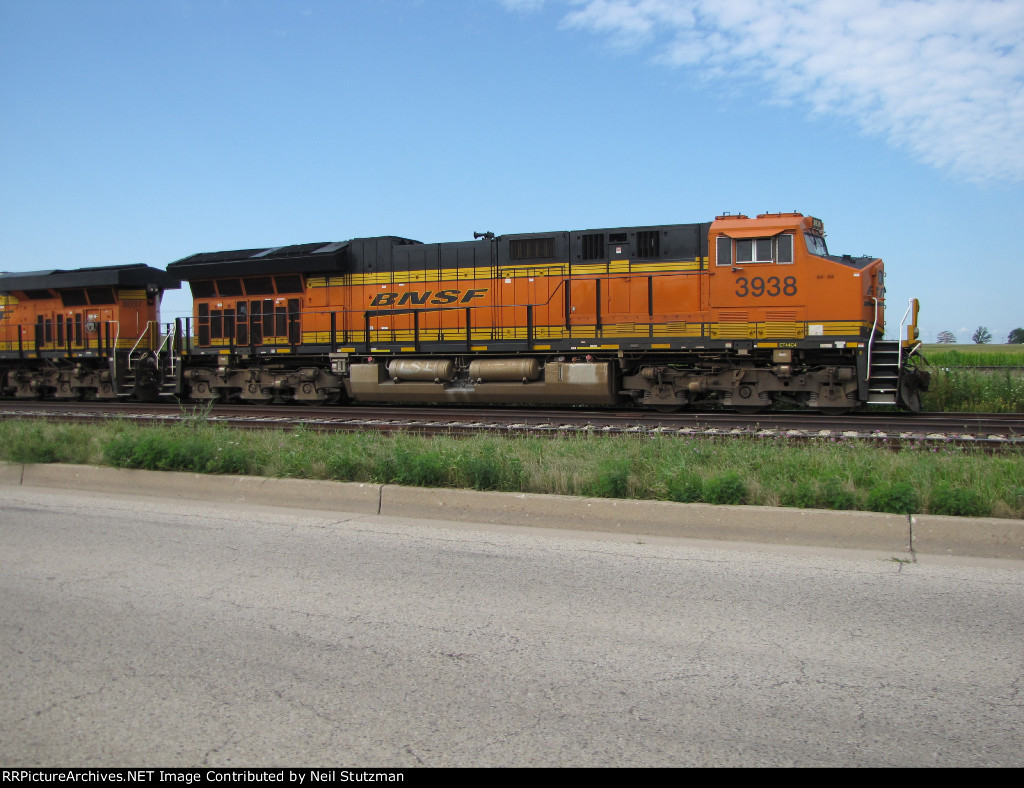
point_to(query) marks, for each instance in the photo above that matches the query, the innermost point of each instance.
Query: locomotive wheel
(834, 411)
(76, 395)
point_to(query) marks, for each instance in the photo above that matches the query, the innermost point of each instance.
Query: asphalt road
(157, 632)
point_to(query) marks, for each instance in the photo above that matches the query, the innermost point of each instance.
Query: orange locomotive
(741, 311)
(84, 332)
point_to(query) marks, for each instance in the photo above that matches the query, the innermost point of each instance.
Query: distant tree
(982, 336)
(1016, 337)
(946, 338)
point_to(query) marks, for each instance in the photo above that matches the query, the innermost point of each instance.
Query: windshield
(816, 244)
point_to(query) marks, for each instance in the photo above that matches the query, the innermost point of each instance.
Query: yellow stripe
(589, 269)
(843, 328)
(732, 331)
(508, 272)
(677, 329)
(678, 265)
(559, 332)
(399, 277)
(520, 271)
(777, 329)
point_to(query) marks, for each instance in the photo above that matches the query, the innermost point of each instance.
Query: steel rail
(896, 429)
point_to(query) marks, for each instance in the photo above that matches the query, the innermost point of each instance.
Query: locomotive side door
(294, 324)
(242, 323)
(256, 321)
(583, 306)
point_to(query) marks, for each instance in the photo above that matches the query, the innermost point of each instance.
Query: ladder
(885, 363)
(126, 379)
(884, 372)
(169, 357)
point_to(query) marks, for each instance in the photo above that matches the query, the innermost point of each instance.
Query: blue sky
(147, 130)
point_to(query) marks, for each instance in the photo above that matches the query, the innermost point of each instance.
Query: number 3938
(759, 286)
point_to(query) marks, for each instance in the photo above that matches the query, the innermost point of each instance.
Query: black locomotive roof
(393, 253)
(136, 275)
(312, 258)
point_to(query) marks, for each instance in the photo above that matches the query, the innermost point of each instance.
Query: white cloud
(942, 78)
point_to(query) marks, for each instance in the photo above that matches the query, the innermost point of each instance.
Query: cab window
(754, 250)
(816, 245)
(784, 248)
(723, 250)
(774, 249)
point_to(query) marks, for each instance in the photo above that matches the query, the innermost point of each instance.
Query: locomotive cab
(773, 278)
(810, 322)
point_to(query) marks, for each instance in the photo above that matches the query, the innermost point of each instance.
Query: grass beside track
(974, 355)
(956, 387)
(827, 474)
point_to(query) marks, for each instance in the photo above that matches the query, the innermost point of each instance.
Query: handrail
(117, 335)
(143, 335)
(167, 337)
(871, 339)
(111, 349)
(903, 321)
(167, 341)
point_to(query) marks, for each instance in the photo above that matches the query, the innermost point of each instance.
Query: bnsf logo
(421, 299)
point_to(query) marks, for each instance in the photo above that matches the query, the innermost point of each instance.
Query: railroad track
(982, 429)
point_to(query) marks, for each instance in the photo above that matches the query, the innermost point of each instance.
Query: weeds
(43, 442)
(833, 494)
(895, 497)
(610, 480)
(825, 474)
(945, 499)
(684, 487)
(965, 391)
(176, 449)
(956, 387)
(726, 488)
